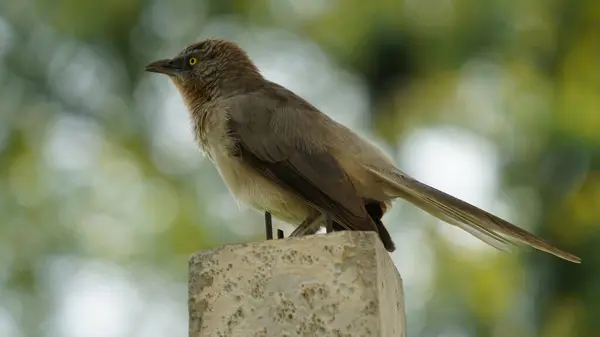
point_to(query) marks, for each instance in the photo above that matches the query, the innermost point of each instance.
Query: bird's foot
(328, 223)
(309, 226)
(269, 225)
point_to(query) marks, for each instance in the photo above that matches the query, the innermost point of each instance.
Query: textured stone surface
(342, 284)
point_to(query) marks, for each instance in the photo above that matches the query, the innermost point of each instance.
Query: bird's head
(211, 67)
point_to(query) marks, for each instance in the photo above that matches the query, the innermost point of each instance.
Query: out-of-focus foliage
(103, 194)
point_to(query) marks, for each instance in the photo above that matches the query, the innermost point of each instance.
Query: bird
(279, 154)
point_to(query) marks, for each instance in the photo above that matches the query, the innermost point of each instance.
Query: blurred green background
(104, 195)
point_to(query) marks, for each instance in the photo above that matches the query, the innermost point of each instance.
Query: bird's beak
(166, 66)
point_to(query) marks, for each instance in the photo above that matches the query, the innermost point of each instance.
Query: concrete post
(339, 284)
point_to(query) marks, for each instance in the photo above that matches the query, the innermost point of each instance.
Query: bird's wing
(266, 135)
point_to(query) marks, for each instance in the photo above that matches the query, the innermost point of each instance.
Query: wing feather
(299, 164)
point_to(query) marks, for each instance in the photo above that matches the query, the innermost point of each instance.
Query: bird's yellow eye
(192, 61)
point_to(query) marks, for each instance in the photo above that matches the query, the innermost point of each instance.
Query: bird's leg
(309, 226)
(269, 225)
(328, 223)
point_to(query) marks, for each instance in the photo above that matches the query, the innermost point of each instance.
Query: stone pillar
(339, 284)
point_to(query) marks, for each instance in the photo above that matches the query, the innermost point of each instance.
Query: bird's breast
(243, 181)
(254, 190)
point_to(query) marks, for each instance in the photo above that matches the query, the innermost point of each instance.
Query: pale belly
(252, 189)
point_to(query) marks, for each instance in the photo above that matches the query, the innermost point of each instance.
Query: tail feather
(481, 224)
(376, 210)
(490, 237)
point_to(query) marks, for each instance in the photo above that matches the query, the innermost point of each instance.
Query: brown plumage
(278, 153)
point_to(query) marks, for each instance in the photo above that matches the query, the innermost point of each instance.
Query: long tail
(481, 224)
